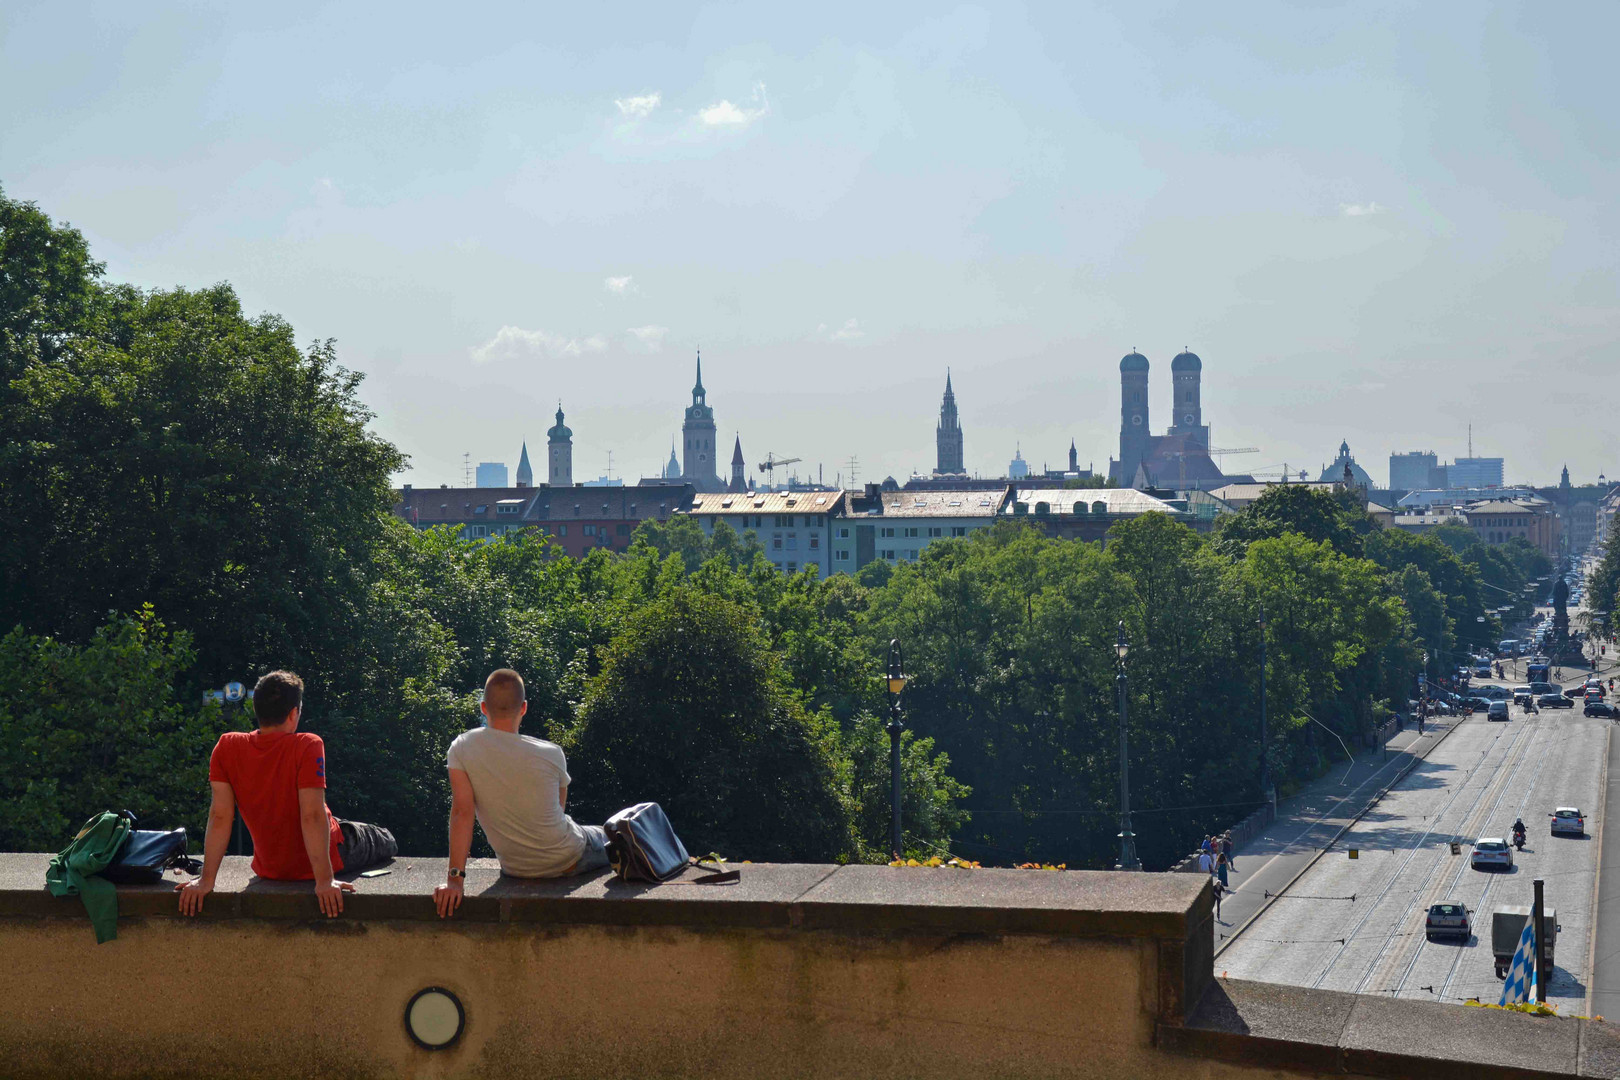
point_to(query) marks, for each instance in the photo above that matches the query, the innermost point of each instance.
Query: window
(958, 530)
(843, 534)
(911, 531)
(886, 532)
(841, 556)
(887, 553)
(793, 568)
(590, 530)
(936, 530)
(622, 530)
(776, 541)
(911, 556)
(815, 541)
(562, 530)
(506, 509)
(793, 541)
(479, 530)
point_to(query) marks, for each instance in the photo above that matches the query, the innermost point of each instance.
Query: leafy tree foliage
(1336, 518)
(692, 710)
(96, 727)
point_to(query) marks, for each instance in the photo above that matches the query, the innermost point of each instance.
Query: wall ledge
(1326, 1032)
(786, 895)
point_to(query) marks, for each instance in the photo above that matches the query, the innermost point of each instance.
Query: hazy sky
(1373, 222)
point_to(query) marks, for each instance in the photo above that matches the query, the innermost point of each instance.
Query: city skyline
(1386, 223)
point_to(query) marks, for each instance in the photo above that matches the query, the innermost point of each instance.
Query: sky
(1374, 222)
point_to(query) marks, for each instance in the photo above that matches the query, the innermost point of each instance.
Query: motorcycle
(1518, 839)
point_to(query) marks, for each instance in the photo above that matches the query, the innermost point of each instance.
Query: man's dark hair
(275, 696)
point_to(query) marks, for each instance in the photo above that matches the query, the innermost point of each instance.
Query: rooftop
(946, 503)
(764, 502)
(1117, 500)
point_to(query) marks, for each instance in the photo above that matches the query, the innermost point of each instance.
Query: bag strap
(716, 876)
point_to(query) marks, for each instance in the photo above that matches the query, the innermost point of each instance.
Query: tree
(97, 727)
(1337, 518)
(693, 711)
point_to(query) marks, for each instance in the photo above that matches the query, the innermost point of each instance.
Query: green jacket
(75, 871)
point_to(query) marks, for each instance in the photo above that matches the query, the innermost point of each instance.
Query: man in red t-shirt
(276, 776)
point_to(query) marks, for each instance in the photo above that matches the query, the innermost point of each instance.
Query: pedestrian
(1229, 849)
(1209, 844)
(1206, 863)
(1220, 891)
(1220, 869)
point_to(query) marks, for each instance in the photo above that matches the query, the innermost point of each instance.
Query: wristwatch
(458, 873)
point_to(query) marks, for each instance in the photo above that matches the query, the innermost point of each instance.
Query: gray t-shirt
(516, 781)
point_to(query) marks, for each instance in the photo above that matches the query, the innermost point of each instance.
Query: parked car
(1491, 851)
(1568, 821)
(1554, 701)
(1448, 919)
(1497, 711)
(1602, 709)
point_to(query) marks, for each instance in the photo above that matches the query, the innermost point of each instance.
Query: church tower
(561, 452)
(1133, 416)
(1074, 458)
(948, 436)
(1186, 372)
(738, 467)
(697, 432)
(525, 474)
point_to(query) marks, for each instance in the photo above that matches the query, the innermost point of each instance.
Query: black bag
(147, 854)
(642, 846)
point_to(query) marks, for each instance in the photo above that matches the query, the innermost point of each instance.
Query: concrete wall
(798, 971)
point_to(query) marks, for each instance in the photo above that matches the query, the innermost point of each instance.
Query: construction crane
(1216, 451)
(772, 463)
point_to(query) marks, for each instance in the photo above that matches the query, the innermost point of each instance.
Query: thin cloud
(650, 338)
(1360, 209)
(639, 106)
(724, 114)
(850, 331)
(516, 343)
(619, 285)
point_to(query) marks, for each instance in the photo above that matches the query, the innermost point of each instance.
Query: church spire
(698, 392)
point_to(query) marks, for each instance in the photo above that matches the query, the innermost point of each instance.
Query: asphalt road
(1472, 784)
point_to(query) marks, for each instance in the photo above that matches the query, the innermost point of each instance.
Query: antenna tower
(854, 471)
(466, 469)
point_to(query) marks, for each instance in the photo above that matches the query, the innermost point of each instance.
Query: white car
(1568, 821)
(1492, 851)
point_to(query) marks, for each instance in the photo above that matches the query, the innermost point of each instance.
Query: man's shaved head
(503, 694)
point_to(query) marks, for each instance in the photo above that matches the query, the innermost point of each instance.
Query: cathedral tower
(948, 436)
(1186, 371)
(1133, 418)
(697, 432)
(738, 467)
(561, 452)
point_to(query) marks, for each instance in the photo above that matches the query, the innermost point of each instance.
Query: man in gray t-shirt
(516, 786)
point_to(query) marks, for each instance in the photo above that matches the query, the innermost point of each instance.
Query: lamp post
(1265, 744)
(1127, 838)
(897, 680)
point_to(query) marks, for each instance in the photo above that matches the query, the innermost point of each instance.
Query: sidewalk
(1308, 821)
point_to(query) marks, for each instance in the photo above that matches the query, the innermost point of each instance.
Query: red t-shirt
(265, 770)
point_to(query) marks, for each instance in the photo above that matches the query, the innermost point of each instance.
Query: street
(1356, 924)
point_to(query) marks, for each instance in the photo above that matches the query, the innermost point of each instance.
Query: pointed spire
(525, 473)
(948, 381)
(698, 387)
(736, 452)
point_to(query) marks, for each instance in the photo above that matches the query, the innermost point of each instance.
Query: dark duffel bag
(642, 844)
(147, 854)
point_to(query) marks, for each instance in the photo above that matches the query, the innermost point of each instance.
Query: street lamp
(896, 683)
(1127, 838)
(1265, 742)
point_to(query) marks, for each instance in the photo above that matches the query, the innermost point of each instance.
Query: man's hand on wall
(447, 897)
(330, 897)
(191, 895)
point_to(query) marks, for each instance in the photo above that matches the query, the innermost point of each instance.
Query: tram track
(1389, 956)
(1411, 854)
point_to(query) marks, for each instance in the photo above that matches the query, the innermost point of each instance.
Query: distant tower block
(948, 436)
(560, 452)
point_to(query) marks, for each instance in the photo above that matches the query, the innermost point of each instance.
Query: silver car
(1568, 821)
(1491, 851)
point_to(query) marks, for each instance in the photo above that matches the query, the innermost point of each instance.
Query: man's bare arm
(216, 841)
(463, 811)
(317, 830)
